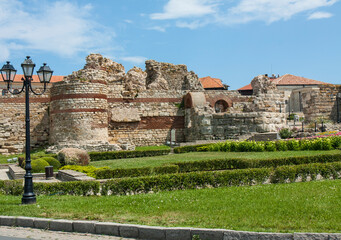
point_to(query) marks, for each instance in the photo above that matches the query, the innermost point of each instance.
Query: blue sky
(233, 40)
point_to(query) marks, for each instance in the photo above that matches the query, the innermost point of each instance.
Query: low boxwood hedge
(319, 143)
(212, 165)
(99, 156)
(191, 180)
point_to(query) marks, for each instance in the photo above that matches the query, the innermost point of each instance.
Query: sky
(234, 40)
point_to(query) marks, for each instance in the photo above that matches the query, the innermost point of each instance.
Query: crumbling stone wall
(320, 102)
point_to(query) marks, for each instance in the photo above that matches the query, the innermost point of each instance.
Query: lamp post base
(29, 199)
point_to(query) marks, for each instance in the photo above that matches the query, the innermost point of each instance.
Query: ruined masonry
(101, 108)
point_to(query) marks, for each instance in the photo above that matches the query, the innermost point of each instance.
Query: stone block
(42, 223)
(178, 233)
(84, 226)
(311, 236)
(240, 235)
(107, 228)
(25, 222)
(129, 231)
(335, 236)
(61, 225)
(152, 233)
(8, 221)
(208, 234)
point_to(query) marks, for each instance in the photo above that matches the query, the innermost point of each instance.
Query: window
(220, 106)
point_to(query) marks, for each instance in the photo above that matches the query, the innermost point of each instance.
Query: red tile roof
(209, 82)
(36, 78)
(288, 79)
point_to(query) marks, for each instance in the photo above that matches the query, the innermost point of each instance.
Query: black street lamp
(8, 73)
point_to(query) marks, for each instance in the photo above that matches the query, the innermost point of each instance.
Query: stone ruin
(101, 107)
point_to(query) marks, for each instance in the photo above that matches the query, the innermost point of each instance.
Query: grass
(297, 207)
(194, 156)
(38, 152)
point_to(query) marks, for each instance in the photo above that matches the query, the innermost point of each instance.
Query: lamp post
(8, 73)
(280, 106)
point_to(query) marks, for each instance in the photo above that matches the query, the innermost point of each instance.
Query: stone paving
(4, 174)
(37, 234)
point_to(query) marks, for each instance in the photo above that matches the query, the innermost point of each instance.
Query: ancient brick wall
(12, 122)
(79, 112)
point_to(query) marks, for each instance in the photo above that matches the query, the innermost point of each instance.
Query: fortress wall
(12, 122)
(320, 102)
(147, 119)
(79, 112)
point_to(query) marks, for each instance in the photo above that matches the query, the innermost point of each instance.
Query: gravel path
(37, 234)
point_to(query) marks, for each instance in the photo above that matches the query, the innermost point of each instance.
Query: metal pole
(302, 126)
(322, 129)
(28, 197)
(315, 126)
(337, 109)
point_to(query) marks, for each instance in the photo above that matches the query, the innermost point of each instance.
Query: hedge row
(207, 165)
(224, 164)
(325, 143)
(237, 177)
(178, 181)
(99, 156)
(135, 172)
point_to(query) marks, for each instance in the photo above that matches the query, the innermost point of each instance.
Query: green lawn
(298, 207)
(193, 156)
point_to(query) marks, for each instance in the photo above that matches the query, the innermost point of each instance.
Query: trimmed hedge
(192, 148)
(192, 180)
(210, 165)
(83, 188)
(185, 181)
(224, 164)
(322, 143)
(291, 173)
(134, 172)
(99, 156)
(12, 187)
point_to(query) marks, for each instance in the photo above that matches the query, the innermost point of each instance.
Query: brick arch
(194, 99)
(212, 101)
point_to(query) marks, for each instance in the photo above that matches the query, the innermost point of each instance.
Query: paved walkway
(4, 174)
(38, 234)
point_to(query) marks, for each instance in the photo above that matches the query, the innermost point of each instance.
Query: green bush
(83, 188)
(99, 156)
(38, 165)
(52, 161)
(224, 164)
(135, 172)
(192, 148)
(11, 187)
(291, 173)
(191, 180)
(285, 133)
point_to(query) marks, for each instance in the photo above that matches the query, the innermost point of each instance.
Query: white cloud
(128, 21)
(175, 9)
(134, 59)
(270, 11)
(59, 27)
(203, 12)
(320, 15)
(157, 28)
